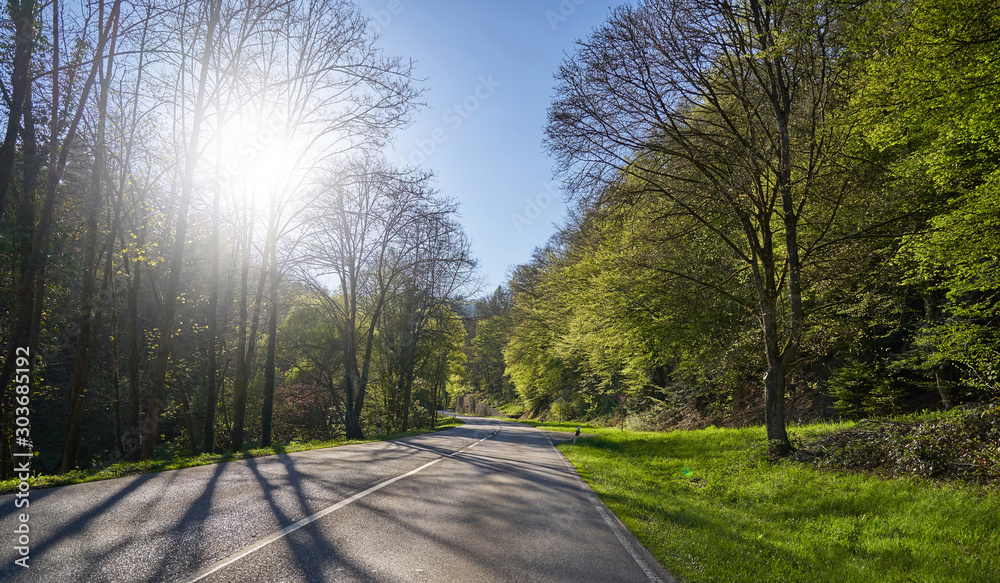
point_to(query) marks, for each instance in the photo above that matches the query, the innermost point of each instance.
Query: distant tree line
(200, 242)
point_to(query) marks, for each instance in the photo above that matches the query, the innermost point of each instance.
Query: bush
(960, 444)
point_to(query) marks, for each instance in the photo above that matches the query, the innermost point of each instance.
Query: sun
(257, 158)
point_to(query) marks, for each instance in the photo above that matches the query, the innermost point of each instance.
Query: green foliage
(931, 101)
(487, 374)
(866, 390)
(973, 347)
(645, 292)
(420, 346)
(537, 371)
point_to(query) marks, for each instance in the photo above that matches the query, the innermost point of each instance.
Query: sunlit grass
(710, 506)
(123, 469)
(514, 408)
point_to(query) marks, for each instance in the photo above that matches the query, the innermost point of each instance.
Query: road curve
(487, 501)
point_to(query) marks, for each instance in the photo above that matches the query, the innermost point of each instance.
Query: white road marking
(615, 528)
(198, 576)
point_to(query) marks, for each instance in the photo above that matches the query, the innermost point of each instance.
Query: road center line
(199, 575)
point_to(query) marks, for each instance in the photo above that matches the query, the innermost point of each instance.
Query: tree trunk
(132, 444)
(243, 378)
(23, 16)
(31, 291)
(267, 409)
(25, 210)
(440, 379)
(116, 398)
(354, 384)
(353, 395)
(932, 315)
(131, 439)
(775, 378)
(208, 441)
(158, 380)
(240, 382)
(81, 369)
(188, 421)
(409, 364)
(774, 399)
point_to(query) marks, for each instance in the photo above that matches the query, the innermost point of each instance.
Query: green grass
(711, 506)
(161, 465)
(514, 408)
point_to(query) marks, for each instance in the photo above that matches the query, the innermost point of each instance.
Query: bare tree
(438, 275)
(22, 14)
(89, 321)
(320, 87)
(360, 240)
(158, 379)
(62, 133)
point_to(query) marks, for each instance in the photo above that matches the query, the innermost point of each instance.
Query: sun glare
(258, 159)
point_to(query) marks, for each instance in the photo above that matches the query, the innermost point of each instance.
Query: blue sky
(489, 77)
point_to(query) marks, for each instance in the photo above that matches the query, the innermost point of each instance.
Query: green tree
(489, 335)
(727, 112)
(931, 102)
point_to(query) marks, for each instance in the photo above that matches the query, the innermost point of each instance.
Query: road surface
(487, 501)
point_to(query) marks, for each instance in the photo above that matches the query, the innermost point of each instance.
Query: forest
(203, 244)
(781, 211)
(784, 211)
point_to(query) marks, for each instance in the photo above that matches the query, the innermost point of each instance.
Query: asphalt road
(488, 501)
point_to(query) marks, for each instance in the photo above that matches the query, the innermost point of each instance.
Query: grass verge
(123, 469)
(711, 506)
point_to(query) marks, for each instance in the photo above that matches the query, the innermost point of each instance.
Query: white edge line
(199, 575)
(615, 528)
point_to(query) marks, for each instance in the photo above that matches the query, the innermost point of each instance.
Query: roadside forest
(783, 211)
(200, 242)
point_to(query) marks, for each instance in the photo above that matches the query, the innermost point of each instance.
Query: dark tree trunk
(243, 378)
(31, 291)
(241, 381)
(132, 444)
(932, 315)
(131, 440)
(23, 16)
(158, 381)
(208, 442)
(81, 369)
(188, 420)
(25, 221)
(116, 398)
(267, 409)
